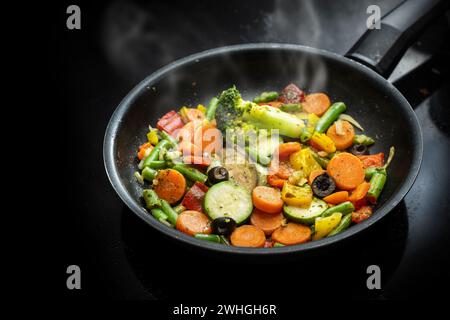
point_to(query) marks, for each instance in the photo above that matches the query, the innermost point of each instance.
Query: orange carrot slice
(286, 149)
(337, 197)
(292, 233)
(170, 185)
(317, 103)
(267, 222)
(314, 174)
(345, 140)
(192, 222)
(248, 236)
(267, 199)
(346, 170)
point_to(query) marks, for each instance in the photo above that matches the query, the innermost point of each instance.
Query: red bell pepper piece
(373, 160)
(193, 199)
(170, 122)
(362, 214)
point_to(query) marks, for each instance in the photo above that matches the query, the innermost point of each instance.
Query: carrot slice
(373, 160)
(248, 236)
(358, 196)
(292, 233)
(143, 149)
(317, 103)
(192, 114)
(275, 181)
(337, 197)
(267, 199)
(286, 149)
(345, 140)
(192, 222)
(170, 185)
(346, 170)
(314, 174)
(267, 222)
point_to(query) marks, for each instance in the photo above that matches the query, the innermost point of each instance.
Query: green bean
(330, 116)
(331, 155)
(323, 162)
(157, 164)
(277, 244)
(344, 208)
(211, 111)
(151, 198)
(190, 173)
(139, 177)
(171, 156)
(305, 135)
(291, 107)
(171, 214)
(369, 172)
(158, 214)
(179, 208)
(344, 224)
(224, 240)
(363, 139)
(208, 237)
(154, 154)
(377, 183)
(390, 157)
(165, 136)
(149, 174)
(266, 97)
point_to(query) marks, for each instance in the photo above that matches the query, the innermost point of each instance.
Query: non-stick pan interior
(377, 106)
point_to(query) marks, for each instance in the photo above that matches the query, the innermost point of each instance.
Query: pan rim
(114, 178)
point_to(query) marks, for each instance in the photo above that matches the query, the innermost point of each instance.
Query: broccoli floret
(241, 116)
(229, 110)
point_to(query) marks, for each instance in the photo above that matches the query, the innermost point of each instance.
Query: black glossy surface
(121, 257)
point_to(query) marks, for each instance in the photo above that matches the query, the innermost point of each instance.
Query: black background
(122, 258)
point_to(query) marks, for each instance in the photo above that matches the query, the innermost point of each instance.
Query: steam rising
(297, 22)
(136, 42)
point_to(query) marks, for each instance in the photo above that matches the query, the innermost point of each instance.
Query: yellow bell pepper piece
(202, 108)
(312, 120)
(296, 196)
(303, 160)
(323, 142)
(323, 226)
(298, 178)
(152, 137)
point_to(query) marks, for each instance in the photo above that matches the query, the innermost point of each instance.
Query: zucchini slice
(307, 214)
(228, 199)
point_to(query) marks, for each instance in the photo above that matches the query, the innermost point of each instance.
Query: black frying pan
(253, 68)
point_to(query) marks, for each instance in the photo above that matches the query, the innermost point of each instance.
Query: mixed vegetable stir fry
(282, 169)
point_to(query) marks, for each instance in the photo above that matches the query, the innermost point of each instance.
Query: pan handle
(381, 49)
